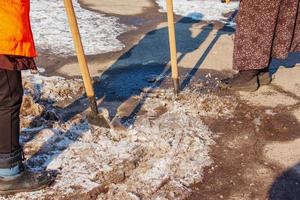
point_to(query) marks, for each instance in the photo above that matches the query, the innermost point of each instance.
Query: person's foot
(242, 81)
(264, 78)
(26, 181)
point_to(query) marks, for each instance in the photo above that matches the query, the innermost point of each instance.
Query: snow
(210, 10)
(52, 33)
(159, 157)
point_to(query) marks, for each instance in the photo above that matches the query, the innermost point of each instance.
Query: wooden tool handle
(79, 48)
(172, 39)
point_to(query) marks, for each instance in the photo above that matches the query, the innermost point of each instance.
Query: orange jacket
(15, 30)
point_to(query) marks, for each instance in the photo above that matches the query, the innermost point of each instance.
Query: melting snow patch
(209, 10)
(52, 33)
(163, 153)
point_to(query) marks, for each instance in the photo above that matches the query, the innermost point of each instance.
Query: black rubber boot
(26, 181)
(242, 81)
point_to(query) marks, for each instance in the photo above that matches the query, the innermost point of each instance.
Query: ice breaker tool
(173, 49)
(94, 117)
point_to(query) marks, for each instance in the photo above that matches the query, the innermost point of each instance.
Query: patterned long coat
(265, 29)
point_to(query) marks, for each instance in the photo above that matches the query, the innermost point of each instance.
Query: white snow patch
(163, 153)
(52, 33)
(209, 10)
(51, 89)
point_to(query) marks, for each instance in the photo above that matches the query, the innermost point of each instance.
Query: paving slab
(128, 7)
(286, 154)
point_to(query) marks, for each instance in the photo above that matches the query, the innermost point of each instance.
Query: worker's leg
(13, 175)
(286, 36)
(11, 93)
(256, 25)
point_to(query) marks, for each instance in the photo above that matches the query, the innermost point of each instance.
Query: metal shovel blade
(98, 119)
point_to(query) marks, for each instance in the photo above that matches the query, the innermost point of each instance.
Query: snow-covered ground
(158, 157)
(161, 154)
(52, 33)
(211, 10)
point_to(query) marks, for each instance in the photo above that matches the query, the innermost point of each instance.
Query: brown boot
(242, 81)
(26, 181)
(264, 77)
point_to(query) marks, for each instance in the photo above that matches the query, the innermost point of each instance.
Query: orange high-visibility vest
(15, 31)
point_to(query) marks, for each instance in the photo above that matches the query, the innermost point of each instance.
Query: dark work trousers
(11, 94)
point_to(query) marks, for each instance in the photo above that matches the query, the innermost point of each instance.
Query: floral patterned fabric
(17, 63)
(265, 29)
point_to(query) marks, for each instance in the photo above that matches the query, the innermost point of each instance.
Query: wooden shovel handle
(79, 48)
(172, 39)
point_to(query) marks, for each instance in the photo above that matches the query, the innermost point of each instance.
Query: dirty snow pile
(162, 153)
(52, 33)
(211, 10)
